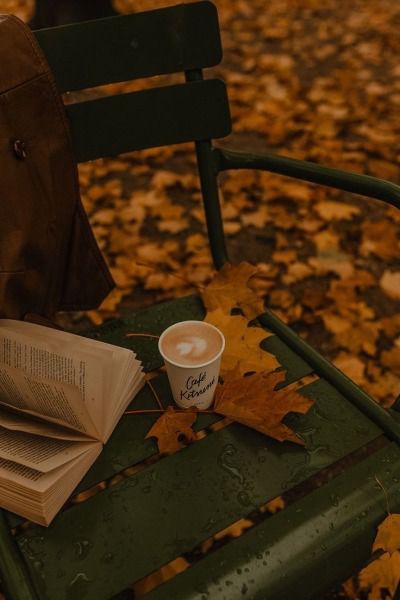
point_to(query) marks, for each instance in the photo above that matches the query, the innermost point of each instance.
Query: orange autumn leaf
(172, 429)
(273, 506)
(336, 210)
(352, 366)
(253, 401)
(242, 344)
(384, 572)
(379, 238)
(229, 289)
(390, 283)
(381, 574)
(388, 536)
(391, 359)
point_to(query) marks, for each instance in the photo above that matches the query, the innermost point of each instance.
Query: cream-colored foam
(191, 343)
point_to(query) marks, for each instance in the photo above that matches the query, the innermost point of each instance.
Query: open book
(61, 395)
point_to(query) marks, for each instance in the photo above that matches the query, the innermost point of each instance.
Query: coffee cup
(192, 353)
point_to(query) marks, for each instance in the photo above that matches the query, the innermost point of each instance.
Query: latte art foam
(191, 343)
(193, 346)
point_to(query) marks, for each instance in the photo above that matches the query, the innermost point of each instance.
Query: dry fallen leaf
(391, 359)
(273, 505)
(388, 536)
(336, 210)
(229, 289)
(383, 574)
(352, 366)
(234, 531)
(242, 344)
(355, 334)
(253, 401)
(390, 283)
(172, 429)
(380, 238)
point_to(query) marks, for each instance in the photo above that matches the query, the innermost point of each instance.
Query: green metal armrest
(213, 161)
(356, 183)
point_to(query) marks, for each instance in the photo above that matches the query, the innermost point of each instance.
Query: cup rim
(195, 365)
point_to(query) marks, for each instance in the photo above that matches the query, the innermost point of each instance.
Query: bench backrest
(183, 38)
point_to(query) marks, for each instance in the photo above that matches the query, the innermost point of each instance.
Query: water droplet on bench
(226, 462)
(82, 548)
(244, 498)
(334, 499)
(78, 587)
(108, 557)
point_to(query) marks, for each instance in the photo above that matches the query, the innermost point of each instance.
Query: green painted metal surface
(15, 579)
(372, 187)
(154, 117)
(304, 550)
(169, 507)
(151, 43)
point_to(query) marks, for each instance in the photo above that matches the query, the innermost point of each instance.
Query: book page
(16, 421)
(39, 496)
(38, 452)
(28, 482)
(55, 401)
(44, 355)
(109, 376)
(128, 394)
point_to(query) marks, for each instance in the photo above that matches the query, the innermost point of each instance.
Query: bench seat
(171, 504)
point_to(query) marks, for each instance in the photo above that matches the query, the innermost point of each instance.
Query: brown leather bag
(49, 259)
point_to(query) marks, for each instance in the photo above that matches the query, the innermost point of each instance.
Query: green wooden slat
(155, 117)
(306, 549)
(127, 47)
(174, 504)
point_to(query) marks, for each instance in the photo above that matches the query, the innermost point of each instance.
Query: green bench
(97, 548)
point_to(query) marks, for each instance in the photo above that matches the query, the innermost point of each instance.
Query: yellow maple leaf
(388, 536)
(383, 573)
(172, 429)
(229, 289)
(328, 210)
(389, 282)
(242, 344)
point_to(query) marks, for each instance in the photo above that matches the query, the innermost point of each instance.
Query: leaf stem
(156, 396)
(150, 335)
(143, 411)
(386, 494)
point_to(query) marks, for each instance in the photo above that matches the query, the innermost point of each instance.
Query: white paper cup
(194, 384)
